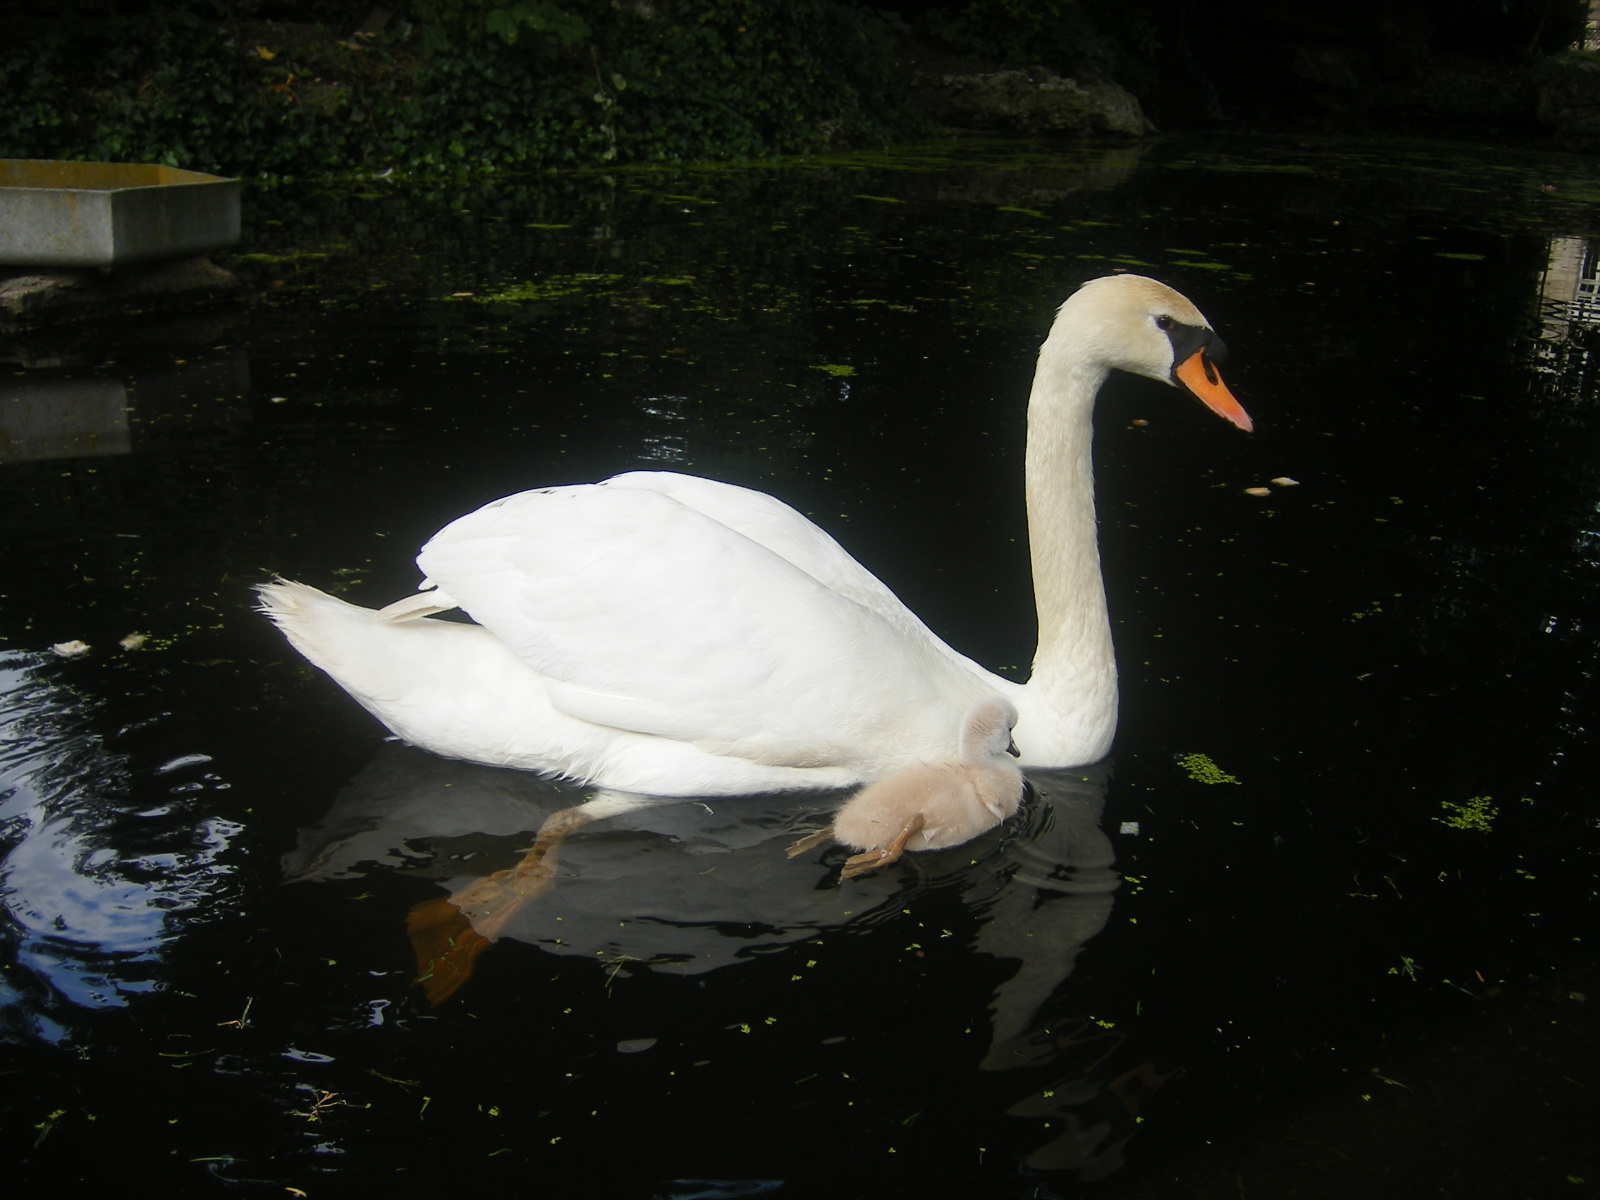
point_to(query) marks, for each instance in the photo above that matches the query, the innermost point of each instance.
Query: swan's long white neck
(1069, 706)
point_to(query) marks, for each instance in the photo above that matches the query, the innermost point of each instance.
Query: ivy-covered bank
(463, 85)
(318, 87)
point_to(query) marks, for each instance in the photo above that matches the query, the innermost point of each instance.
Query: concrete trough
(85, 214)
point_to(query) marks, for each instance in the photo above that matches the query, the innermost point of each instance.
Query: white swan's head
(986, 730)
(1140, 325)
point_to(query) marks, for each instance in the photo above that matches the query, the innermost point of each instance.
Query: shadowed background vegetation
(329, 86)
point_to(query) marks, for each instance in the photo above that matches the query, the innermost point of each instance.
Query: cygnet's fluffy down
(933, 805)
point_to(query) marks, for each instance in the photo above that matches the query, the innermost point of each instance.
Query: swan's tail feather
(423, 604)
(345, 640)
(446, 686)
(285, 601)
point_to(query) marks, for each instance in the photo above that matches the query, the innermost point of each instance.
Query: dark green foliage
(754, 77)
(478, 85)
(1507, 29)
(1054, 33)
(445, 23)
(1070, 36)
(167, 88)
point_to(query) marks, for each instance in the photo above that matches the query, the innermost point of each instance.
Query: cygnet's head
(986, 730)
(1141, 325)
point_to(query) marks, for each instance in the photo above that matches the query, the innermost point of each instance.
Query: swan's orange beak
(1199, 375)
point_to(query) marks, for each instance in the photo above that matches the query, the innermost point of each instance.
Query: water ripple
(92, 901)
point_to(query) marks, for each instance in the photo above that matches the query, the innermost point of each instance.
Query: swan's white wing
(794, 537)
(783, 530)
(648, 615)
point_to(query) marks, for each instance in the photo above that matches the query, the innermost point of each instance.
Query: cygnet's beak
(1198, 375)
(1011, 749)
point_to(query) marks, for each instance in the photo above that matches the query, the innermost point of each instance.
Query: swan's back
(763, 519)
(735, 646)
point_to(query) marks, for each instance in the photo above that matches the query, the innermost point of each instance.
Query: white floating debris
(134, 640)
(1258, 491)
(183, 760)
(1129, 827)
(634, 1045)
(71, 649)
(1285, 481)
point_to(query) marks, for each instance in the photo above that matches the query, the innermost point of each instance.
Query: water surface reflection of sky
(95, 883)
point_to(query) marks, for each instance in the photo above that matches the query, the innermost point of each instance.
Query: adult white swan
(665, 634)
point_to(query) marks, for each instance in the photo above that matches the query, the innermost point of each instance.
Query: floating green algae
(552, 287)
(1477, 813)
(293, 256)
(1201, 769)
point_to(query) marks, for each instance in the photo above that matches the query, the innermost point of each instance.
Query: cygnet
(933, 805)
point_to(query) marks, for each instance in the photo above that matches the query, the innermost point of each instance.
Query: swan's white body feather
(638, 686)
(666, 634)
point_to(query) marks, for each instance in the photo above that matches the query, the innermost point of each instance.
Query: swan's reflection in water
(688, 887)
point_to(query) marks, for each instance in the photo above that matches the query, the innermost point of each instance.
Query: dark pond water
(210, 852)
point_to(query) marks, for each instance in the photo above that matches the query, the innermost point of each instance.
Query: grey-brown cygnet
(933, 805)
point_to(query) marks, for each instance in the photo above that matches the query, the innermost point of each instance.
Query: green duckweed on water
(552, 287)
(294, 256)
(1477, 813)
(1407, 968)
(1201, 769)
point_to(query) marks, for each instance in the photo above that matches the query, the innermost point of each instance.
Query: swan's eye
(1164, 322)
